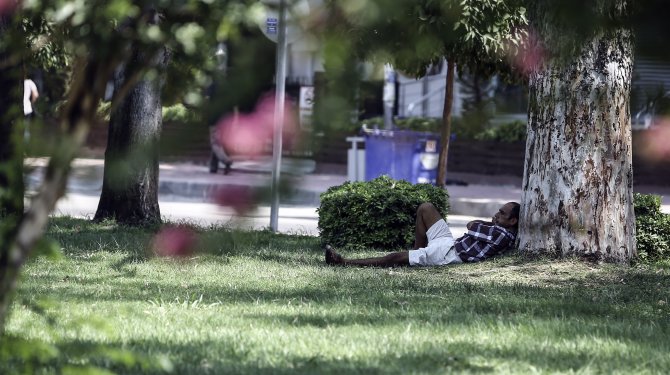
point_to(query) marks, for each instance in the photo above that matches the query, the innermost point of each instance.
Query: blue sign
(271, 25)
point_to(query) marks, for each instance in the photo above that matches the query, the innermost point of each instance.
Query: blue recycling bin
(402, 154)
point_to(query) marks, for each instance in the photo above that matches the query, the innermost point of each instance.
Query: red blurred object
(174, 241)
(8, 6)
(251, 133)
(531, 54)
(655, 143)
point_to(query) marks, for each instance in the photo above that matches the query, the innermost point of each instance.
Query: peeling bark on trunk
(577, 188)
(130, 183)
(446, 126)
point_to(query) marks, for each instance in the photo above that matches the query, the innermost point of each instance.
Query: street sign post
(282, 28)
(271, 25)
(280, 95)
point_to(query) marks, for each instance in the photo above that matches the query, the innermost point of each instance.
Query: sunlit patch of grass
(256, 302)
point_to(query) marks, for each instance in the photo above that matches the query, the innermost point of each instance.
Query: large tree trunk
(577, 188)
(130, 182)
(446, 126)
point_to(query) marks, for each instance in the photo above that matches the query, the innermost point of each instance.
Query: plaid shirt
(483, 242)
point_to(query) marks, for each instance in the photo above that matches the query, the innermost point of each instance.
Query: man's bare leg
(426, 216)
(400, 258)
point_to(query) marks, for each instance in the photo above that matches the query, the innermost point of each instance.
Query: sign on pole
(271, 25)
(306, 106)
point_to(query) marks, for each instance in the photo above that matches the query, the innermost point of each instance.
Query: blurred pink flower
(655, 142)
(530, 54)
(249, 133)
(174, 241)
(8, 6)
(242, 199)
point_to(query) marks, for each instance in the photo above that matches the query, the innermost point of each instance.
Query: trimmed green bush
(376, 214)
(652, 228)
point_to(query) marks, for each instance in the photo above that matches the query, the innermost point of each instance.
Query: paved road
(186, 191)
(293, 220)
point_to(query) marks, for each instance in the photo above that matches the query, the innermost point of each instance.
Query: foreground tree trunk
(19, 237)
(577, 188)
(446, 125)
(11, 169)
(11, 137)
(130, 183)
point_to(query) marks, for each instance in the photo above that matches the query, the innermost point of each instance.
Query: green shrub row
(462, 128)
(378, 214)
(421, 124)
(652, 228)
(514, 131)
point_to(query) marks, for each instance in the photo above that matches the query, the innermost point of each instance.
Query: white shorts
(440, 250)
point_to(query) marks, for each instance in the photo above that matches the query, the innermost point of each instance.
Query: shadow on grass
(224, 357)
(79, 236)
(235, 360)
(621, 305)
(239, 357)
(377, 298)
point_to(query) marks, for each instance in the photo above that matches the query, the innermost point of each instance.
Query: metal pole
(389, 95)
(280, 78)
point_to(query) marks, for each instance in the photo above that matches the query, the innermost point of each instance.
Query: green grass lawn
(262, 303)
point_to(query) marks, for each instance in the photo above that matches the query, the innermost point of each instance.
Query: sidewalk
(186, 192)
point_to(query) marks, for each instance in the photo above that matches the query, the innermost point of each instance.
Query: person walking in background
(30, 95)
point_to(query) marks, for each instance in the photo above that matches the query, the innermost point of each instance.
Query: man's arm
(471, 225)
(489, 233)
(33, 94)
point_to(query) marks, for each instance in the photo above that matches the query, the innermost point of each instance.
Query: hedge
(378, 214)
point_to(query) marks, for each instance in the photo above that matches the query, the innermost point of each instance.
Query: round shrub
(652, 228)
(376, 214)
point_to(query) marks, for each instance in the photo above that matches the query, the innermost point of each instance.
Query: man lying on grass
(435, 246)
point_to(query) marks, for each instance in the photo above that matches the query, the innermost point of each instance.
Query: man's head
(508, 215)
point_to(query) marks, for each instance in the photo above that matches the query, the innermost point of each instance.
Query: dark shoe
(333, 258)
(226, 170)
(213, 163)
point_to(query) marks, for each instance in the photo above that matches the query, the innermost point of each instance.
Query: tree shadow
(239, 356)
(623, 305)
(408, 296)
